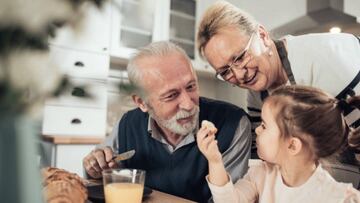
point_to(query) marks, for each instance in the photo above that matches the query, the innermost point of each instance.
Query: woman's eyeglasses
(226, 72)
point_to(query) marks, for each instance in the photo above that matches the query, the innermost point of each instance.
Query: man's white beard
(172, 124)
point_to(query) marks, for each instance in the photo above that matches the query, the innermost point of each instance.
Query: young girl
(300, 125)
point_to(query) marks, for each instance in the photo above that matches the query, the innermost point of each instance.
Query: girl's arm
(208, 146)
(222, 189)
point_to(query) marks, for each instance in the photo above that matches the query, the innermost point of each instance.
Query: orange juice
(123, 193)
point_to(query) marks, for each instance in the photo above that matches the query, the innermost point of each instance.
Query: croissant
(60, 186)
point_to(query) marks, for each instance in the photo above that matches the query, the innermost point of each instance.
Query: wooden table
(160, 197)
(154, 197)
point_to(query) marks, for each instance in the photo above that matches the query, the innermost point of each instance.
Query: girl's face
(268, 140)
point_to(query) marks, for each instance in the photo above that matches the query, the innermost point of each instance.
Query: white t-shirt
(326, 61)
(263, 183)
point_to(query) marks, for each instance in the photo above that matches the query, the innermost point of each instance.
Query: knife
(123, 156)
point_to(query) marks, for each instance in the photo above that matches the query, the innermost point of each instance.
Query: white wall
(266, 11)
(352, 7)
(271, 14)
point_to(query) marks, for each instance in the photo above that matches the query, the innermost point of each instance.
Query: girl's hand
(207, 144)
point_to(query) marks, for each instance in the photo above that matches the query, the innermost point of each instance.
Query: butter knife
(123, 156)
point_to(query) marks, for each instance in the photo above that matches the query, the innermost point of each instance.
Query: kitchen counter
(72, 139)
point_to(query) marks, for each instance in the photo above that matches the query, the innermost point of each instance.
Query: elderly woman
(242, 53)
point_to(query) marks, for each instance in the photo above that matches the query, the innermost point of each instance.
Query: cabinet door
(184, 19)
(201, 65)
(80, 64)
(93, 33)
(133, 24)
(69, 157)
(84, 94)
(74, 121)
(182, 24)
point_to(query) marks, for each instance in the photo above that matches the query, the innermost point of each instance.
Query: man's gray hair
(155, 49)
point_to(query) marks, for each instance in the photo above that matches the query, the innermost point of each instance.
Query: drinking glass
(123, 185)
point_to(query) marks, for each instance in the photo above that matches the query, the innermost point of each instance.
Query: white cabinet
(71, 122)
(70, 156)
(201, 65)
(94, 90)
(136, 23)
(83, 56)
(80, 63)
(132, 26)
(92, 34)
(182, 24)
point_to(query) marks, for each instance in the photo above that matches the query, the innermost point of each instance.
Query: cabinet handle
(79, 64)
(78, 92)
(75, 121)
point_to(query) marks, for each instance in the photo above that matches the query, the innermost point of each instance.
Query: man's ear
(294, 145)
(140, 103)
(264, 36)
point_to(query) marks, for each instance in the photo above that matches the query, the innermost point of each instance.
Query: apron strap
(349, 89)
(280, 46)
(358, 37)
(264, 94)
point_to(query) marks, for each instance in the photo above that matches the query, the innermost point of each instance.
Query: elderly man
(162, 128)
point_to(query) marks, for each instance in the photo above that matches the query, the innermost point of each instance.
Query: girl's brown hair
(315, 117)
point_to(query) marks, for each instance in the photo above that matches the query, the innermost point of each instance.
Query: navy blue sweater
(183, 172)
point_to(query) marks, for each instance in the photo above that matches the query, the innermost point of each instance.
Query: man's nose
(186, 103)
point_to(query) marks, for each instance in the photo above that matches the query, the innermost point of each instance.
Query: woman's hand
(207, 143)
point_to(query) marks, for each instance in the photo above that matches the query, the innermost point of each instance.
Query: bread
(60, 186)
(209, 125)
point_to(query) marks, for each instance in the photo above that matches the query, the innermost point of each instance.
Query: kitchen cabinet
(81, 109)
(65, 121)
(80, 64)
(93, 90)
(132, 26)
(75, 122)
(92, 35)
(202, 66)
(136, 23)
(182, 25)
(83, 56)
(72, 163)
(66, 152)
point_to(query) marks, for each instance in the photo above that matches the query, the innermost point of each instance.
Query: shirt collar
(157, 135)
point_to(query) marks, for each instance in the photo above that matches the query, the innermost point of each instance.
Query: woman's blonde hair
(219, 15)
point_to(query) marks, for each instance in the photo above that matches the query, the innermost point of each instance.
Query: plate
(96, 193)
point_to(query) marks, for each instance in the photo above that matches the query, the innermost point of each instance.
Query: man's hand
(207, 144)
(99, 160)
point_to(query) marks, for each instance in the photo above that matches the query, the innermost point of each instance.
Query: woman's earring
(270, 52)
